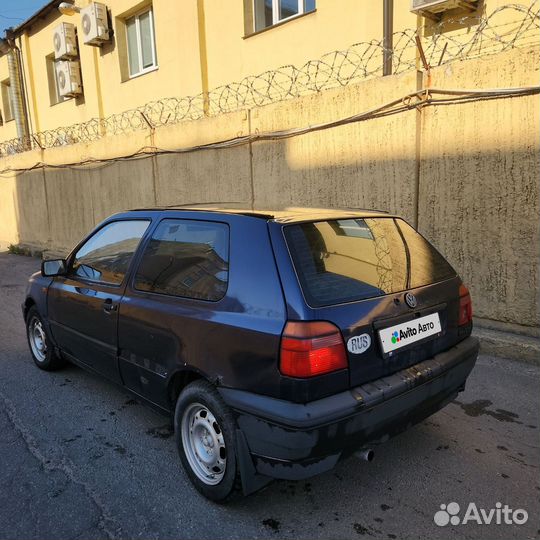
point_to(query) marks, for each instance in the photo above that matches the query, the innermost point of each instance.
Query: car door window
(105, 257)
(186, 258)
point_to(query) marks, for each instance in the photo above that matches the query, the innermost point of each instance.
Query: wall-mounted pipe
(18, 104)
(388, 36)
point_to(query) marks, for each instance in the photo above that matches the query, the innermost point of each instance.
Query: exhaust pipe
(367, 454)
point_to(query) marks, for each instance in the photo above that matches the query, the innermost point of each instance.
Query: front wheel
(40, 346)
(205, 436)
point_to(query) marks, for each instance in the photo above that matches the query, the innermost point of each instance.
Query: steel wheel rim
(204, 444)
(38, 340)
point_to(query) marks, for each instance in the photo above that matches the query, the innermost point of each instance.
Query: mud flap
(251, 480)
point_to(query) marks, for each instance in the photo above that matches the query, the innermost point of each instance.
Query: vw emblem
(410, 299)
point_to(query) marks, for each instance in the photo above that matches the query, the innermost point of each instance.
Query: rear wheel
(40, 345)
(205, 436)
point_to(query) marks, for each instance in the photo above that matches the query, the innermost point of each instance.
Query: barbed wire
(418, 100)
(507, 27)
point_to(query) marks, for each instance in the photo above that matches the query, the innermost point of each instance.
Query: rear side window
(186, 258)
(105, 256)
(353, 259)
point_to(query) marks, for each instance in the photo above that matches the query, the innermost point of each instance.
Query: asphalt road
(79, 458)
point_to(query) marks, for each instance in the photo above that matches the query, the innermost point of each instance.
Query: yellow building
(147, 51)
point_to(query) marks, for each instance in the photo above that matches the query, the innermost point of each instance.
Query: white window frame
(7, 101)
(154, 65)
(275, 14)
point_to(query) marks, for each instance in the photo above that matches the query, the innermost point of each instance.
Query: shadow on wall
(480, 210)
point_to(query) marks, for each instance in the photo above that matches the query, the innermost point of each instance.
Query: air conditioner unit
(95, 24)
(68, 76)
(65, 41)
(436, 7)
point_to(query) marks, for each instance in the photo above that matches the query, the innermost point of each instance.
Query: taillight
(311, 348)
(465, 306)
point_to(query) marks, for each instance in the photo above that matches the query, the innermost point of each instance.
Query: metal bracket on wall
(443, 53)
(36, 140)
(146, 119)
(425, 63)
(422, 98)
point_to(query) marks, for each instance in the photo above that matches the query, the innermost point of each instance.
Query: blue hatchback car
(280, 342)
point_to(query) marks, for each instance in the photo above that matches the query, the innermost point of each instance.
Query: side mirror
(54, 267)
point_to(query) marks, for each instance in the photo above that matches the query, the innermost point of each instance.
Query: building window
(141, 44)
(52, 78)
(7, 100)
(270, 12)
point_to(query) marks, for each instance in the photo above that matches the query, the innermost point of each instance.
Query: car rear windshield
(346, 260)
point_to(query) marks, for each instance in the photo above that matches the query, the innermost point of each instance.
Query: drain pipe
(388, 36)
(18, 104)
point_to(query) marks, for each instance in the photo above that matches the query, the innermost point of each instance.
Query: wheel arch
(28, 303)
(179, 380)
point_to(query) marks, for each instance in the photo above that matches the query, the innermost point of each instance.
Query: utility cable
(412, 101)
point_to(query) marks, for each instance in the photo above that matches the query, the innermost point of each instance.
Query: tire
(198, 409)
(40, 344)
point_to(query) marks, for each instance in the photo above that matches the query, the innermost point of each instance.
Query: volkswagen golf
(279, 342)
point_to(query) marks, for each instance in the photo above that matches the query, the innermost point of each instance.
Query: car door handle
(108, 306)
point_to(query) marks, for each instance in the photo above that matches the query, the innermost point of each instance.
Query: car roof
(285, 215)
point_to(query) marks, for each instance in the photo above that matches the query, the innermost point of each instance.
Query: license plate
(401, 335)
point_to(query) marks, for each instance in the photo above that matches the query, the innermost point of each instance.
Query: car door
(83, 304)
(175, 304)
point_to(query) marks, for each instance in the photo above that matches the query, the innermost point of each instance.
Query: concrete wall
(467, 174)
(479, 185)
(364, 165)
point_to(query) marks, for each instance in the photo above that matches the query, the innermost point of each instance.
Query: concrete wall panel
(32, 213)
(123, 185)
(479, 190)
(366, 164)
(71, 213)
(206, 176)
(9, 230)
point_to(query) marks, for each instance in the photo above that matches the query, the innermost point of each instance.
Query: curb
(508, 345)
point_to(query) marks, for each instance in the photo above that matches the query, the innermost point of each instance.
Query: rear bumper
(294, 441)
